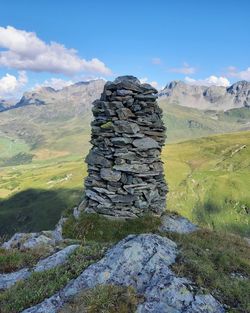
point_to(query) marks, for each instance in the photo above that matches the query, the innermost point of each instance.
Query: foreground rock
(143, 262)
(125, 172)
(8, 280)
(24, 241)
(177, 224)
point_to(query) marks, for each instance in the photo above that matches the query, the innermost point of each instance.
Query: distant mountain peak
(207, 97)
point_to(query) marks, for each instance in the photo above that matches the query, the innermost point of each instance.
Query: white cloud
(156, 61)
(144, 80)
(243, 75)
(56, 83)
(185, 69)
(209, 81)
(25, 51)
(10, 84)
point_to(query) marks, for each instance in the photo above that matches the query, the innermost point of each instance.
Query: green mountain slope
(208, 181)
(185, 123)
(25, 139)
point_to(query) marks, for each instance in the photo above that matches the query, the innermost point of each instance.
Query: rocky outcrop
(125, 173)
(177, 224)
(143, 262)
(24, 241)
(58, 258)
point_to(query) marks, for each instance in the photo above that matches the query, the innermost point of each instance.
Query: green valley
(208, 181)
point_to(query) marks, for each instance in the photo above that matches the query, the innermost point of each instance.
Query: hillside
(58, 128)
(208, 181)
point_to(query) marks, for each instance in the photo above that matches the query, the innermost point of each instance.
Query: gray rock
(143, 262)
(54, 260)
(110, 175)
(132, 168)
(124, 113)
(96, 197)
(10, 279)
(121, 141)
(145, 143)
(25, 241)
(126, 127)
(124, 92)
(94, 158)
(177, 224)
(57, 232)
(125, 199)
(104, 191)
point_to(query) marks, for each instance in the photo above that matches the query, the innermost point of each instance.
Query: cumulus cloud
(209, 81)
(243, 75)
(56, 83)
(185, 69)
(25, 51)
(156, 61)
(144, 80)
(10, 84)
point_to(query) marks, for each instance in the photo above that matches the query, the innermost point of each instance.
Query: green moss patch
(99, 228)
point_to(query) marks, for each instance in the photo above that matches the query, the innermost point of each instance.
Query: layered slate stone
(125, 172)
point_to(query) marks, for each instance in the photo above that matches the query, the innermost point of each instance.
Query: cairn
(125, 172)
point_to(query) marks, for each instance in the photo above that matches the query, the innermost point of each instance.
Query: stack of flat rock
(125, 172)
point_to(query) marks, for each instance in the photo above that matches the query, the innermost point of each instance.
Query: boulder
(143, 262)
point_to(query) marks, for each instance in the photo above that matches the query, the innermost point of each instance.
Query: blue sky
(157, 41)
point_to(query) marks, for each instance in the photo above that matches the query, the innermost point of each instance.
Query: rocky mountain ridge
(176, 92)
(77, 95)
(205, 98)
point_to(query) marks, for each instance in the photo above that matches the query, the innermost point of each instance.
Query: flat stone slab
(177, 224)
(141, 261)
(58, 258)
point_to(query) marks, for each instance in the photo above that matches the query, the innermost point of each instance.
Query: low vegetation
(41, 285)
(217, 262)
(208, 182)
(104, 299)
(13, 260)
(101, 229)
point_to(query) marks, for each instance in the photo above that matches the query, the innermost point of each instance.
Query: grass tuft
(99, 228)
(44, 284)
(217, 262)
(104, 299)
(13, 260)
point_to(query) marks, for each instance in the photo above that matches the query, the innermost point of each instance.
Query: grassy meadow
(208, 181)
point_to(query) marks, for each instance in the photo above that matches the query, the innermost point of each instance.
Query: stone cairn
(125, 172)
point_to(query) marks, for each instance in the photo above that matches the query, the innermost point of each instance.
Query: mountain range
(176, 92)
(57, 120)
(208, 98)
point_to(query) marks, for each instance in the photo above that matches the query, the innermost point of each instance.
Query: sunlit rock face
(125, 171)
